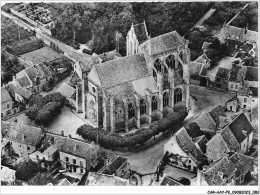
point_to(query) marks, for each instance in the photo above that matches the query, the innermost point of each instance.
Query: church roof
(165, 42)
(122, 70)
(140, 32)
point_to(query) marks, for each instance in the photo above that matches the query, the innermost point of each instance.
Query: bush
(113, 140)
(87, 51)
(46, 108)
(75, 46)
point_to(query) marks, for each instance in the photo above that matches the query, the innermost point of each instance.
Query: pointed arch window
(158, 65)
(177, 95)
(165, 99)
(154, 103)
(155, 75)
(142, 106)
(170, 61)
(131, 110)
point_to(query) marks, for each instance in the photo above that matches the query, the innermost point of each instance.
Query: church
(132, 91)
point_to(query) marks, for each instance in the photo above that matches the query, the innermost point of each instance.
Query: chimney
(14, 77)
(62, 133)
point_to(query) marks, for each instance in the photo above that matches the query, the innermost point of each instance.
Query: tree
(27, 170)
(40, 179)
(194, 130)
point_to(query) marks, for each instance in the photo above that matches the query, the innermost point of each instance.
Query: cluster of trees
(194, 131)
(114, 140)
(225, 11)
(27, 170)
(103, 22)
(46, 108)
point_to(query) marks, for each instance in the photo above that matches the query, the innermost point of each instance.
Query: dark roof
(23, 81)
(121, 70)
(165, 42)
(237, 73)
(40, 70)
(251, 74)
(188, 146)
(112, 167)
(216, 147)
(216, 113)
(223, 73)
(253, 91)
(169, 181)
(140, 32)
(242, 162)
(78, 148)
(20, 133)
(213, 174)
(230, 139)
(241, 127)
(5, 96)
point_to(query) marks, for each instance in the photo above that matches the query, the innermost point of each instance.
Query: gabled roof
(78, 148)
(121, 70)
(23, 81)
(216, 147)
(169, 181)
(140, 32)
(66, 90)
(20, 90)
(242, 162)
(230, 139)
(188, 146)
(251, 74)
(165, 42)
(206, 123)
(201, 141)
(20, 133)
(96, 179)
(195, 68)
(237, 73)
(202, 59)
(223, 73)
(5, 96)
(216, 113)
(64, 182)
(219, 171)
(241, 127)
(112, 167)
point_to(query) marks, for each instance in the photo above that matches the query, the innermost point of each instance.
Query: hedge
(112, 140)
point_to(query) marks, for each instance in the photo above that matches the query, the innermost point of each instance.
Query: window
(93, 89)
(37, 156)
(43, 158)
(81, 167)
(7, 106)
(67, 159)
(165, 99)
(131, 110)
(231, 86)
(158, 65)
(241, 178)
(142, 106)
(236, 86)
(20, 146)
(74, 161)
(170, 61)
(245, 100)
(81, 170)
(154, 103)
(28, 148)
(177, 95)
(181, 55)
(154, 75)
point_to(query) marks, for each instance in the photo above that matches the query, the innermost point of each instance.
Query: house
(244, 165)
(169, 181)
(77, 156)
(198, 74)
(206, 123)
(69, 92)
(62, 179)
(219, 173)
(97, 179)
(117, 166)
(6, 102)
(248, 97)
(135, 37)
(254, 121)
(216, 113)
(104, 57)
(201, 142)
(232, 104)
(251, 78)
(216, 148)
(184, 153)
(236, 79)
(24, 139)
(20, 94)
(221, 79)
(7, 175)
(122, 91)
(35, 78)
(5, 148)
(82, 69)
(204, 60)
(242, 134)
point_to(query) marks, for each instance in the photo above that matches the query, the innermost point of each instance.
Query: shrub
(139, 137)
